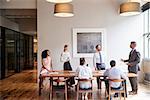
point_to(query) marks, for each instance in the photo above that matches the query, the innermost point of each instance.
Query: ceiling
(25, 18)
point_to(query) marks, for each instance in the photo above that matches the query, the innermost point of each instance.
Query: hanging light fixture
(130, 8)
(147, 0)
(63, 10)
(59, 1)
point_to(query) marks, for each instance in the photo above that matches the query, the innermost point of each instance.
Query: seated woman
(46, 62)
(84, 72)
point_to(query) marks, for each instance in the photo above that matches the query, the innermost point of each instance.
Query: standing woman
(65, 58)
(46, 62)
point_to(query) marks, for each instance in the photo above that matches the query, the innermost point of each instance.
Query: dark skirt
(67, 66)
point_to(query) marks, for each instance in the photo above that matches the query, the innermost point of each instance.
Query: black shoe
(132, 92)
(108, 99)
(116, 95)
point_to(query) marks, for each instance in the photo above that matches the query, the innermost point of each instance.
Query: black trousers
(67, 66)
(100, 67)
(134, 83)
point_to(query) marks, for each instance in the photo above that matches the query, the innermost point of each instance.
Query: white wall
(54, 32)
(9, 24)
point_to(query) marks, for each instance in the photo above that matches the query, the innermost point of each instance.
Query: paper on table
(53, 73)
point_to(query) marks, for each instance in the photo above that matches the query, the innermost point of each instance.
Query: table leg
(66, 89)
(50, 88)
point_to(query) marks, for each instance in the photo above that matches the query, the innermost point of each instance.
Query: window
(146, 35)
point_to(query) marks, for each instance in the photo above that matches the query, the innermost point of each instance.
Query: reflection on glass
(9, 52)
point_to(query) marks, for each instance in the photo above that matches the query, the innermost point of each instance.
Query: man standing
(99, 62)
(133, 67)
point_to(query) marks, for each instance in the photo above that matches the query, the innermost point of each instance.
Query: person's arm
(61, 57)
(91, 73)
(106, 73)
(51, 65)
(137, 60)
(94, 61)
(123, 75)
(69, 56)
(127, 60)
(44, 63)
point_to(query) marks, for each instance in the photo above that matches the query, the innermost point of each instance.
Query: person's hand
(95, 68)
(122, 60)
(129, 64)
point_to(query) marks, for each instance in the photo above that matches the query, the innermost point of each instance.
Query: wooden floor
(23, 86)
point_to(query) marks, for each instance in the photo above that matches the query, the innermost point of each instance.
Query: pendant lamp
(63, 10)
(130, 8)
(59, 1)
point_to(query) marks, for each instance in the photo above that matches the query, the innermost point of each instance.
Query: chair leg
(91, 96)
(66, 90)
(120, 95)
(100, 84)
(124, 95)
(77, 96)
(50, 88)
(109, 96)
(105, 92)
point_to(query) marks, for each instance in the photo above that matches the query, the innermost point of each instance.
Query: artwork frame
(85, 35)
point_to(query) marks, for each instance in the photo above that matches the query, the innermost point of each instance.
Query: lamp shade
(63, 10)
(59, 1)
(147, 0)
(130, 8)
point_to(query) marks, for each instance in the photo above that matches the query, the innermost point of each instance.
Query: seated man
(114, 73)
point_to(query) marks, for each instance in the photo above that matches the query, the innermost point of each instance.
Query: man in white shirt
(99, 62)
(114, 73)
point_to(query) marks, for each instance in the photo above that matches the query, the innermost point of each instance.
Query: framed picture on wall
(85, 40)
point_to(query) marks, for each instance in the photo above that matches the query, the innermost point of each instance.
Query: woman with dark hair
(65, 58)
(84, 72)
(46, 62)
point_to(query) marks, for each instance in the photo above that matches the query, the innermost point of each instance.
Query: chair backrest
(116, 80)
(84, 80)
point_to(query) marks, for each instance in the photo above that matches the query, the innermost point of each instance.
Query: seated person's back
(114, 73)
(84, 72)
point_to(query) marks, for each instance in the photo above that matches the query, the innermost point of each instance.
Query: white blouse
(46, 62)
(65, 56)
(84, 72)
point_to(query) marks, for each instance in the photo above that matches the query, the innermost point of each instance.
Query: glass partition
(16, 52)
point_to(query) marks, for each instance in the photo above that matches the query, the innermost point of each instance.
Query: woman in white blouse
(46, 62)
(84, 72)
(65, 58)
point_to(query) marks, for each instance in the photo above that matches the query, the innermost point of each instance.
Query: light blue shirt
(115, 73)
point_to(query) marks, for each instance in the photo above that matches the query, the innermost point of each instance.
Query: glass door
(10, 58)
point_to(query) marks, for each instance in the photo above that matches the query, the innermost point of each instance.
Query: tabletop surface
(62, 73)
